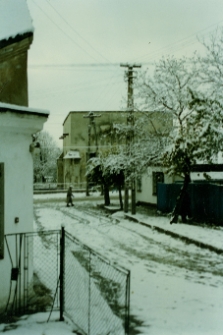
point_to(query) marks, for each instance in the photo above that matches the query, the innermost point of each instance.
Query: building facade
(18, 124)
(86, 134)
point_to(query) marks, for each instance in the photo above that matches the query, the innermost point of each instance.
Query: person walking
(69, 197)
(185, 210)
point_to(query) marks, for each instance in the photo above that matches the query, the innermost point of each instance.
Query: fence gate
(34, 271)
(52, 269)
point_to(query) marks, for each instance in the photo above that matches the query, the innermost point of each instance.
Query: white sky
(74, 61)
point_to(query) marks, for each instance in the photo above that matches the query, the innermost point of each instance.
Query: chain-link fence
(96, 292)
(33, 273)
(52, 269)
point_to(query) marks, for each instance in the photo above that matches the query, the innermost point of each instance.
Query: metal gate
(34, 271)
(54, 270)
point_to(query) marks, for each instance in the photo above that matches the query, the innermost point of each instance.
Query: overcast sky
(74, 61)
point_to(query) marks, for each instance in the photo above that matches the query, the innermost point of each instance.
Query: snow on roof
(72, 155)
(15, 19)
(22, 109)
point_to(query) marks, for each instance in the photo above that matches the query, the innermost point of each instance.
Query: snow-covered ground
(176, 288)
(36, 325)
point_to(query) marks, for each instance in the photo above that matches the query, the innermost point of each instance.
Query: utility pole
(130, 121)
(91, 116)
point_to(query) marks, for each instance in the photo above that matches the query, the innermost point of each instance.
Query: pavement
(205, 236)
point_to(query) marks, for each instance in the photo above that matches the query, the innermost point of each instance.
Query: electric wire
(19, 266)
(77, 32)
(84, 85)
(171, 45)
(10, 256)
(64, 32)
(10, 288)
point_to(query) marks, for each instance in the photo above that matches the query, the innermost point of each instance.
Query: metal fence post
(89, 295)
(127, 316)
(62, 253)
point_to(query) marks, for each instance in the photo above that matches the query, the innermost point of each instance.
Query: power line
(76, 88)
(171, 45)
(64, 31)
(76, 65)
(77, 32)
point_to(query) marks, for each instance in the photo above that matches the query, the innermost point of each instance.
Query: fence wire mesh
(34, 271)
(43, 249)
(96, 292)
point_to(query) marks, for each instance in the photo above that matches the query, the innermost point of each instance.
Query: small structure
(18, 123)
(146, 187)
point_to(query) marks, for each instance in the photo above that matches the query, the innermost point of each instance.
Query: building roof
(4, 107)
(72, 155)
(94, 111)
(15, 19)
(207, 168)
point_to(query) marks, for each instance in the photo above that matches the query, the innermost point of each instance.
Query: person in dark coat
(185, 209)
(69, 197)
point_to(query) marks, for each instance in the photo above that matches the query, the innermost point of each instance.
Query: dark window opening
(158, 177)
(139, 184)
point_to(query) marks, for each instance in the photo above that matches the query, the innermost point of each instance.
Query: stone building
(83, 136)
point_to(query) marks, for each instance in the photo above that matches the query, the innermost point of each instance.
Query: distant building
(18, 123)
(83, 139)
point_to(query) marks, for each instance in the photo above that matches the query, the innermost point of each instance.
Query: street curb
(76, 199)
(185, 239)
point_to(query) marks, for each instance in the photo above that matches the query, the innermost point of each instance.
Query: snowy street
(176, 288)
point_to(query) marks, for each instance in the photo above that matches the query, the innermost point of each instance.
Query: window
(139, 184)
(2, 210)
(90, 155)
(158, 177)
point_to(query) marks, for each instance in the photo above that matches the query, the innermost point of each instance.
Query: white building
(17, 125)
(146, 191)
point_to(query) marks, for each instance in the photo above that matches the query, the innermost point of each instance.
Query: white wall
(16, 131)
(146, 194)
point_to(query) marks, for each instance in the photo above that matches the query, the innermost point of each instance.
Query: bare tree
(45, 161)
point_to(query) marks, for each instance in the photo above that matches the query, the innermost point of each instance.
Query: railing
(53, 270)
(65, 186)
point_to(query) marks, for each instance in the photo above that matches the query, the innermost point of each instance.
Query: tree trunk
(102, 189)
(120, 196)
(106, 195)
(133, 197)
(177, 208)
